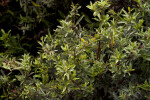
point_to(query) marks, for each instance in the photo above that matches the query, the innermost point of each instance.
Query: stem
(98, 49)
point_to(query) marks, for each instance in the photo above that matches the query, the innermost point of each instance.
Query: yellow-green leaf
(35, 4)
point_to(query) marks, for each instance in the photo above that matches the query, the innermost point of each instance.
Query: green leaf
(78, 21)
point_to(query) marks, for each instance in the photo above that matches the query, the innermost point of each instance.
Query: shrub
(109, 62)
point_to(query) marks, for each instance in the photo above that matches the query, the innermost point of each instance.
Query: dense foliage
(31, 19)
(103, 57)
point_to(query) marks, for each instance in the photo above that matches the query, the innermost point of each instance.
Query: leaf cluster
(109, 61)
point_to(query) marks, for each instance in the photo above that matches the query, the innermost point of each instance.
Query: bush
(109, 61)
(30, 19)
